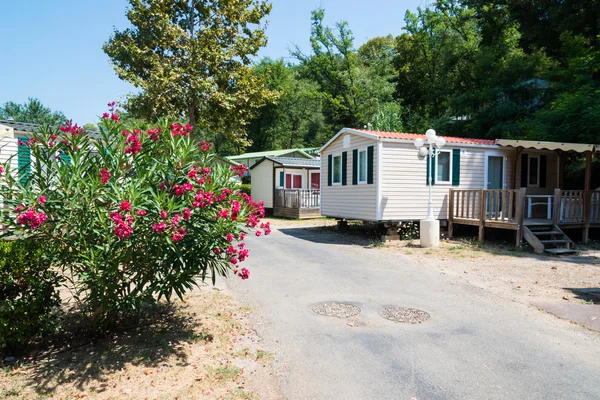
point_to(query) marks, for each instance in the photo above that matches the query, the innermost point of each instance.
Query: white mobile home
(380, 177)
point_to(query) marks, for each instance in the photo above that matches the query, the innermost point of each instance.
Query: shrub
(134, 216)
(28, 293)
(246, 188)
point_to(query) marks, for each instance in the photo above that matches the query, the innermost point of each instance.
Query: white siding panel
(8, 148)
(350, 201)
(262, 183)
(404, 181)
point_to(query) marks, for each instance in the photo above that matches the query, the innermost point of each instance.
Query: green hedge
(28, 294)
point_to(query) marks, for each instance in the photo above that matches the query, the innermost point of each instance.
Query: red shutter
(288, 181)
(297, 181)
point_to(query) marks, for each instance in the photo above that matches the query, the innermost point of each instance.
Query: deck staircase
(549, 239)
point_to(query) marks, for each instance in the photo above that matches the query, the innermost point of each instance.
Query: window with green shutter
(24, 159)
(456, 167)
(344, 168)
(355, 167)
(370, 164)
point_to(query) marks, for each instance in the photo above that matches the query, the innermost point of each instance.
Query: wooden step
(546, 233)
(560, 251)
(556, 241)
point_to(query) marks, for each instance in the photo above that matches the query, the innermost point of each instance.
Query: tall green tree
(192, 58)
(33, 111)
(296, 119)
(351, 90)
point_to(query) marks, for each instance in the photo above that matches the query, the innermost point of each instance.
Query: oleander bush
(28, 294)
(132, 215)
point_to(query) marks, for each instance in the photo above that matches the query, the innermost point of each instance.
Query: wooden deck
(507, 209)
(297, 203)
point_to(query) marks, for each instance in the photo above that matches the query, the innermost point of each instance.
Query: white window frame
(292, 181)
(529, 184)
(437, 160)
(333, 157)
(361, 151)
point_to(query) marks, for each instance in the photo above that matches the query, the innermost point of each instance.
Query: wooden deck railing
(505, 209)
(486, 208)
(297, 198)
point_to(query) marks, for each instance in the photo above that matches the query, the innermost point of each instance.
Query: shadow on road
(330, 235)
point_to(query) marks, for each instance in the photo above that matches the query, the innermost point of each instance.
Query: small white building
(380, 177)
(249, 159)
(288, 186)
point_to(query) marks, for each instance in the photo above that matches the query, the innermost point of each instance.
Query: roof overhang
(532, 144)
(283, 164)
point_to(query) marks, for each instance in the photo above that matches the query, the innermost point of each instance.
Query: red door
(288, 181)
(315, 180)
(297, 181)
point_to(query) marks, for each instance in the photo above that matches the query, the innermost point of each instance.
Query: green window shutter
(524, 169)
(344, 168)
(65, 158)
(370, 164)
(355, 167)
(430, 171)
(543, 170)
(329, 169)
(281, 178)
(455, 167)
(24, 160)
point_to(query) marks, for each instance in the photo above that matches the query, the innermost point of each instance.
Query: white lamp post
(430, 227)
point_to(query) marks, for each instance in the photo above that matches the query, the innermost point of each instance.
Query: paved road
(475, 346)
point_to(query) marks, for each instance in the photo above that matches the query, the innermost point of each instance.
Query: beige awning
(532, 144)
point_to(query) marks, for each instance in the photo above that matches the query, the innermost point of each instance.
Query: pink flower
(154, 134)
(180, 130)
(42, 199)
(141, 213)
(160, 227)
(188, 187)
(114, 117)
(231, 250)
(244, 274)
(32, 218)
(105, 115)
(187, 213)
(217, 251)
(134, 145)
(192, 174)
(229, 237)
(104, 175)
(125, 206)
(163, 214)
(1, 169)
(243, 254)
(234, 260)
(178, 235)
(223, 214)
(258, 233)
(205, 146)
(242, 236)
(175, 221)
(240, 170)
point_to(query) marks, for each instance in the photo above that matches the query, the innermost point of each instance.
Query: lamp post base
(430, 233)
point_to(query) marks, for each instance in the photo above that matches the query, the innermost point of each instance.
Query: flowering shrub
(133, 215)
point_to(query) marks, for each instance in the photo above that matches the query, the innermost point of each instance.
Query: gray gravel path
(475, 345)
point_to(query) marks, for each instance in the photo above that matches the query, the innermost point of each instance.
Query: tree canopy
(32, 111)
(192, 58)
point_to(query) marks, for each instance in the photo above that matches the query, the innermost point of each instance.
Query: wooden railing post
(556, 206)
(587, 200)
(450, 213)
(520, 215)
(482, 208)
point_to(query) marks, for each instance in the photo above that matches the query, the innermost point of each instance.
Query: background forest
(478, 68)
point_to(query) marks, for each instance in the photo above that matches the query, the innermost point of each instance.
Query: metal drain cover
(400, 314)
(333, 309)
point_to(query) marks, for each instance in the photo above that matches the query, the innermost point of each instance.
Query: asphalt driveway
(475, 346)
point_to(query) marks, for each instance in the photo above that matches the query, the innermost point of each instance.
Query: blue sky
(52, 50)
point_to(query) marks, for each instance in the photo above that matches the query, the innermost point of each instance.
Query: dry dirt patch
(518, 274)
(202, 348)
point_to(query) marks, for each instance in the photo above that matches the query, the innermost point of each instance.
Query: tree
(296, 119)
(192, 59)
(33, 111)
(352, 91)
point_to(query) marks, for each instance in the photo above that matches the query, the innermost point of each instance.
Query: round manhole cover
(400, 314)
(332, 309)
